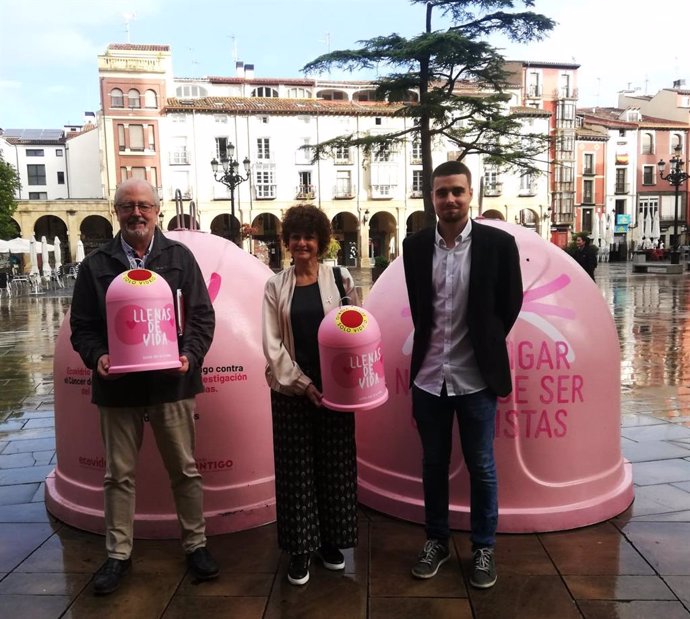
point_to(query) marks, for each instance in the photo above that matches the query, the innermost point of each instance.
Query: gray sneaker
(483, 568)
(433, 555)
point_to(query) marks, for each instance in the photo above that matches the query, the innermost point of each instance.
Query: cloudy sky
(48, 48)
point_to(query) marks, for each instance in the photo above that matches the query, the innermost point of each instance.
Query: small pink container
(142, 330)
(351, 360)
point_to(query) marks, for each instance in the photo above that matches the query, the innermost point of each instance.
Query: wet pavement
(636, 565)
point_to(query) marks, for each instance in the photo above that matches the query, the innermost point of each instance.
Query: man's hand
(103, 368)
(184, 368)
(314, 395)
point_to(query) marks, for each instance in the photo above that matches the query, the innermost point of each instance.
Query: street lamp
(676, 177)
(230, 177)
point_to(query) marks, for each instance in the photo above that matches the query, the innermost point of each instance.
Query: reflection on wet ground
(634, 565)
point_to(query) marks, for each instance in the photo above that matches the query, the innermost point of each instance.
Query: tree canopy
(9, 187)
(461, 80)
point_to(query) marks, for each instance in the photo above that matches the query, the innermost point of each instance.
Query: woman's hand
(314, 395)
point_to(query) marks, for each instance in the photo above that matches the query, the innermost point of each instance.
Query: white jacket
(282, 372)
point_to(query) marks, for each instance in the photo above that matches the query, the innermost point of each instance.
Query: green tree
(461, 79)
(9, 187)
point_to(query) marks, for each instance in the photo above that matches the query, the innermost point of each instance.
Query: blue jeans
(476, 413)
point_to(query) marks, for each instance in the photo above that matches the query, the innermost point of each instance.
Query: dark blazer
(495, 298)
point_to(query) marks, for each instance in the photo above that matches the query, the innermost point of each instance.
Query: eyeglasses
(128, 207)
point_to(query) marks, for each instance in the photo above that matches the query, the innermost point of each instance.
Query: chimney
(249, 71)
(239, 68)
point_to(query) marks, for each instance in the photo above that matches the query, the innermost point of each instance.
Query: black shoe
(483, 568)
(109, 575)
(298, 569)
(201, 564)
(433, 555)
(331, 557)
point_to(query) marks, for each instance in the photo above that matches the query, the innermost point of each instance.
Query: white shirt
(450, 356)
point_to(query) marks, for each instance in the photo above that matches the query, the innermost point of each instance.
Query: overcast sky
(48, 48)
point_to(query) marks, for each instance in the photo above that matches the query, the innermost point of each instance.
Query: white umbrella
(637, 231)
(648, 223)
(58, 255)
(33, 255)
(610, 228)
(656, 225)
(595, 230)
(80, 251)
(45, 258)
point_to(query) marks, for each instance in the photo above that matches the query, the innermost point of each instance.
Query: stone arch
(492, 213)
(95, 231)
(186, 223)
(345, 230)
(528, 218)
(222, 224)
(382, 235)
(266, 244)
(51, 226)
(415, 222)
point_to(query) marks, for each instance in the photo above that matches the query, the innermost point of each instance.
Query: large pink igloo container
(142, 328)
(351, 360)
(234, 435)
(557, 435)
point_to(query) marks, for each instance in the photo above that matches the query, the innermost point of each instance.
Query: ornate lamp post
(230, 177)
(676, 177)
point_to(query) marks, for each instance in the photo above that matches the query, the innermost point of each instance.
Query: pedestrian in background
(465, 291)
(314, 447)
(164, 398)
(584, 253)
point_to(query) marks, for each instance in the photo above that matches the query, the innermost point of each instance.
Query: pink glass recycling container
(351, 360)
(557, 435)
(234, 448)
(142, 329)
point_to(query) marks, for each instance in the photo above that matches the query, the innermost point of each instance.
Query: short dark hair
(448, 168)
(307, 218)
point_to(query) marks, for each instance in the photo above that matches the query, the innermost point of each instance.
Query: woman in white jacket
(314, 448)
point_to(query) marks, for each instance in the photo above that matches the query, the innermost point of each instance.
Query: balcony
(382, 192)
(305, 192)
(534, 91)
(564, 186)
(416, 193)
(588, 172)
(588, 199)
(264, 191)
(565, 92)
(492, 190)
(622, 188)
(345, 191)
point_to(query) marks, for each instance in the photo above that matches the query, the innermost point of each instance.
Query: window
(123, 174)
(121, 142)
(648, 175)
(416, 150)
(589, 163)
(527, 184)
(342, 154)
(417, 176)
(34, 152)
(492, 186)
(343, 184)
(153, 177)
(264, 91)
(534, 86)
(190, 92)
(621, 178)
(305, 190)
(377, 120)
(36, 174)
(263, 148)
(150, 99)
(58, 152)
(305, 152)
(222, 148)
(152, 137)
(264, 185)
(133, 99)
(138, 172)
(647, 144)
(588, 192)
(117, 98)
(61, 178)
(136, 137)
(676, 140)
(38, 195)
(621, 133)
(178, 154)
(565, 85)
(382, 153)
(298, 93)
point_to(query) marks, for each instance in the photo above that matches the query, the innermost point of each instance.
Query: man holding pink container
(127, 394)
(465, 291)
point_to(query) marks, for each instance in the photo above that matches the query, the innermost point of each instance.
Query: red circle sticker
(139, 277)
(351, 320)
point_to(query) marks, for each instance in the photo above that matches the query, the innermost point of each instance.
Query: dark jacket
(586, 258)
(495, 299)
(176, 264)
